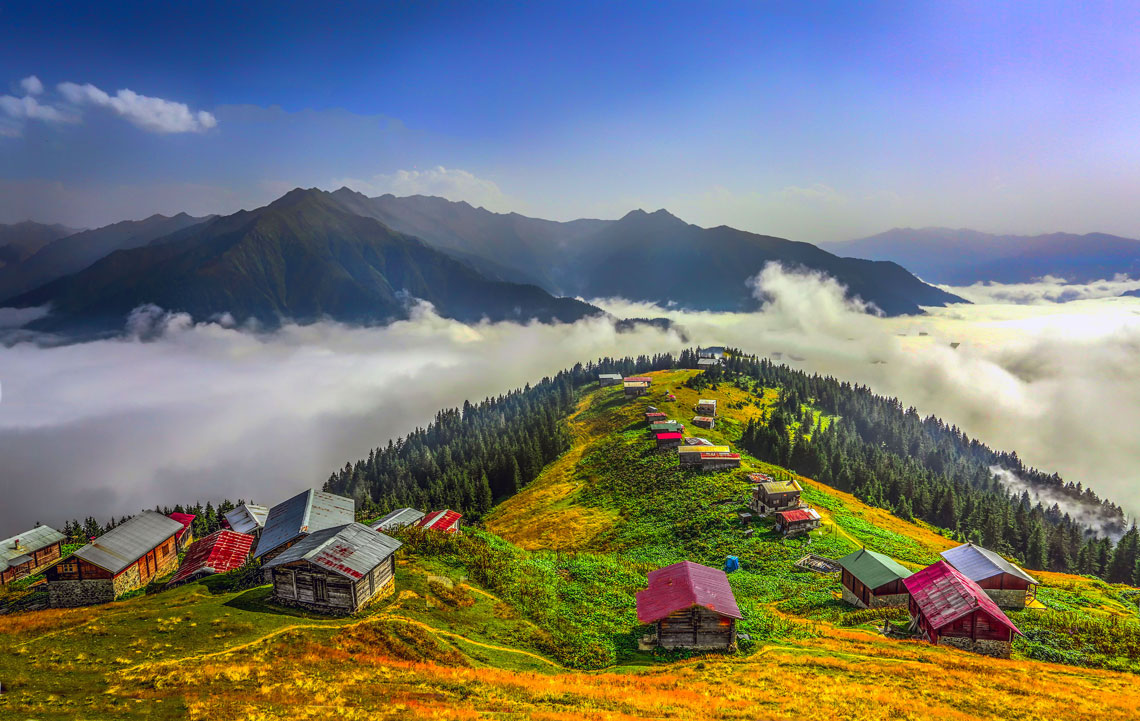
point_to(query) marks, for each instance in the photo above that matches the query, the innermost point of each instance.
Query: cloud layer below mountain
(208, 411)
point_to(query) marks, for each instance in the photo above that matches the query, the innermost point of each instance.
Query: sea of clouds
(177, 411)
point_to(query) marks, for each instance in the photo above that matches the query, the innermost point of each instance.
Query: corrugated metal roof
(781, 486)
(943, 595)
(123, 545)
(638, 379)
(247, 518)
(397, 518)
(798, 514)
(706, 402)
(711, 455)
(873, 569)
(668, 436)
(978, 563)
(184, 518)
(31, 541)
(759, 477)
(707, 362)
(351, 550)
(444, 520)
(219, 552)
(703, 449)
(702, 419)
(667, 426)
(610, 376)
(684, 585)
(306, 512)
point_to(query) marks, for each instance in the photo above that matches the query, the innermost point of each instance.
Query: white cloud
(31, 85)
(1046, 290)
(28, 107)
(149, 113)
(451, 183)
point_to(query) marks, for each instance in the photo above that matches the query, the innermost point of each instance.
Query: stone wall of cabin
(129, 580)
(889, 600)
(1007, 598)
(69, 594)
(852, 599)
(984, 646)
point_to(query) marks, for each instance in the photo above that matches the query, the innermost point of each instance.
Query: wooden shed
(797, 521)
(609, 379)
(872, 580)
(948, 608)
(706, 363)
(771, 495)
(655, 417)
(706, 407)
(219, 552)
(398, 519)
(123, 559)
(1004, 582)
(29, 552)
(704, 422)
(719, 460)
(304, 513)
(337, 570)
(690, 455)
(690, 606)
(668, 439)
(637, 385)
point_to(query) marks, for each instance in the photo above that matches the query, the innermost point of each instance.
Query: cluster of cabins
(309, 546)
(955, 602)
(781, 500)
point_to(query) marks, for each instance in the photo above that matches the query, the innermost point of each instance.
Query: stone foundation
(890, 600)
(1006, 599)
(986, 647)
(128, 580)
(68, 594)
(852, 598)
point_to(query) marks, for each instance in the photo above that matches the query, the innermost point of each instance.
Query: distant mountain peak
(658, 216)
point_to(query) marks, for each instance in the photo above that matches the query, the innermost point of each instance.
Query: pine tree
(1036, 555)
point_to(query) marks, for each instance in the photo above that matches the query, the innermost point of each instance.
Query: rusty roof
(684, 585)
(444, 520)
(944, 595)
(308, 511)
(219, 552)
(351, 550)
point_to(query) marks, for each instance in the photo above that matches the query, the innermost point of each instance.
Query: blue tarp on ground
(732, 563)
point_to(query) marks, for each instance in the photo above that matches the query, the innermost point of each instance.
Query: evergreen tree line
(207, 519)
(889, 457)
(469, 457)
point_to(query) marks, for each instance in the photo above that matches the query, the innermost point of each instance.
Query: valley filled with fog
(178, 412)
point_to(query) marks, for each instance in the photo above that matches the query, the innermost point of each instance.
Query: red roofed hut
(446, 521)
(186, 536)
(797, 521)
(669, 439)
(219, 552)
(655, 417)
(637, 385)
(691, 606)
(948, 608)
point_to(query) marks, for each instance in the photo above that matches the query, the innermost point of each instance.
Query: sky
(815, 121)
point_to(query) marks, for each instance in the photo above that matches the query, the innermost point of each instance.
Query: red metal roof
(218, 552)
(719, 454)
(185, 519)
(684, 585)
(799, 514)
(441, 521)
(669, 436)
(638, 379)
(944, 595)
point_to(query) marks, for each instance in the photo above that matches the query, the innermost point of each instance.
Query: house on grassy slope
(872, 580)
(668, 439)
(706, 363)
(949, 609)
(690, 455)
(337, 570)
(797, 521)
(398, 519)
(609, 379)
(770, 495)
(248, 518)
(706, 407)
(719, 461)
(637, 385)
(127, 557)
(219, 552)
(666, 427)
(304, 513)
(1004, 582)
(690, 606)
(29, 552)
(707, 422)
(186, 536)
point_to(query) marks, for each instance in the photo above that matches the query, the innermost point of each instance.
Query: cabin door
(320, 590)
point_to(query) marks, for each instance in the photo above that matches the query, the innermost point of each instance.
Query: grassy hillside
(533, 617)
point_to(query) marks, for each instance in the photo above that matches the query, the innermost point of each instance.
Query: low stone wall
(893, 600)
(852, 598)
(128, 580)
(1006, 599)
(986, 647)
(68, 594)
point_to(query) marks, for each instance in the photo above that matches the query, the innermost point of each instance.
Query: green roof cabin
(872, 580)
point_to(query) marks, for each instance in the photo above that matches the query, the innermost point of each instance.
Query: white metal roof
(247, 518)
(124, 544)
(31, 541)
(308, 511)
(397, 518)
(977, 563)
(351, 550)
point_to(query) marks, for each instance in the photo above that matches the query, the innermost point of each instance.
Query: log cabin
(124, 559)
(771, 495)
(1004, 582)
(706, 407)
(248, 518)
(707, 422)
(668, 439)
(797, 521)
(304, 513)
(29, 553)
(690, 455)
(719, 461)
(949, 609)
(609, 379)
(637, 385)
(872, 580)
(655, 417)
(690, 606)
(219, 552)
(337, 570)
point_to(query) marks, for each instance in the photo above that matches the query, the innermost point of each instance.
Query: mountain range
(962, 257)
(313, 254)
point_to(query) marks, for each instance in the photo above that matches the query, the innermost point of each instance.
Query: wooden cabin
(949, 609)
(668, 439)
(706, 363)
(1004, 582)
(719, 461)
(690, 455)
(186, 536)
(637, 385)
(872, 580)
(706, 407)
(655, 417)
(29, 552)
(337, 570)
(398, 519)
(770, 495)
(609, 379)
(444, 521)
(219, 552)
(248, 518)
(707, 422)
(689, 606)
(304, 513)
(797, 521)
(127, 557)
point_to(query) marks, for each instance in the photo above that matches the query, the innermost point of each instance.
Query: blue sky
(818, 121)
